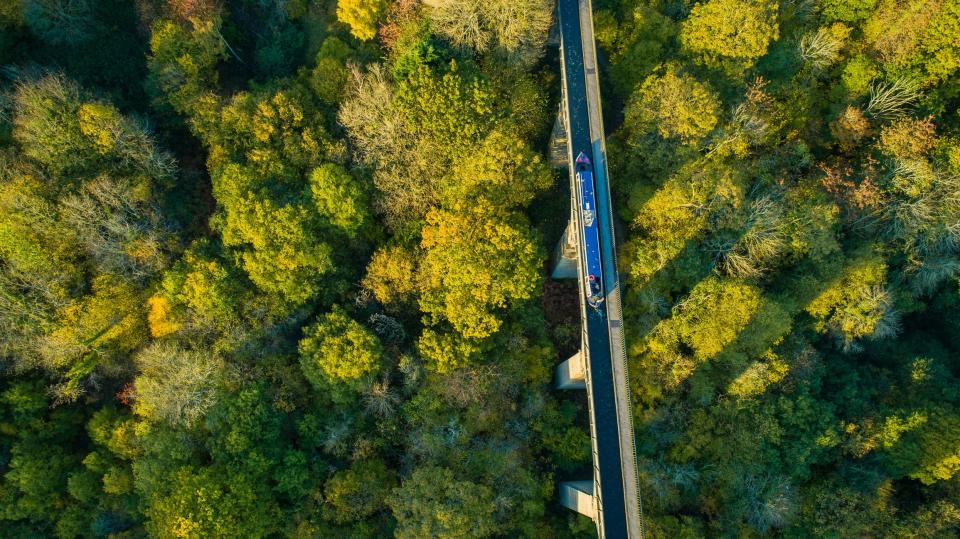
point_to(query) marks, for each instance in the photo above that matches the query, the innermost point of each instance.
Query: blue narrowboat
(590, 232)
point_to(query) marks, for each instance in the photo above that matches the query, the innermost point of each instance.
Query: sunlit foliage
(277, 268)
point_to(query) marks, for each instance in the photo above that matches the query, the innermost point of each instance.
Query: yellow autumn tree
(476, 264)
(730, 33)
(674, 104)
(858, 305)
(361, 15)
(390, 275)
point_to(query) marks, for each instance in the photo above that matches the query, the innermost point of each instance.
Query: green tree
(60, 22)
(280, 250)
(209, 287)
(637, 41)
(847, 10)
(33, 487)
(474, 266)
(276, 197)
(858, 305)
(432, 503)
(727, 32)
(675, 105)
(209, 502)
(360, 491)
(502, 172)
(929, 450)
(339, 198)
(330, 77)
(235, 474)
(182, 62)
(73, 135)
(915, 39)
(445, 352)
(42, 268)
(433, 119)
(339, 355)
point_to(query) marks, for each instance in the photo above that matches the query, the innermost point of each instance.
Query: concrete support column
(559, 156)
(565, 256)
(571, 374)
(578, 495)
(553, 36)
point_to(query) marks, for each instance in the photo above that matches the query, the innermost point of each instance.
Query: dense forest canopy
(789, 177)
(266, 270)
(278, 267)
